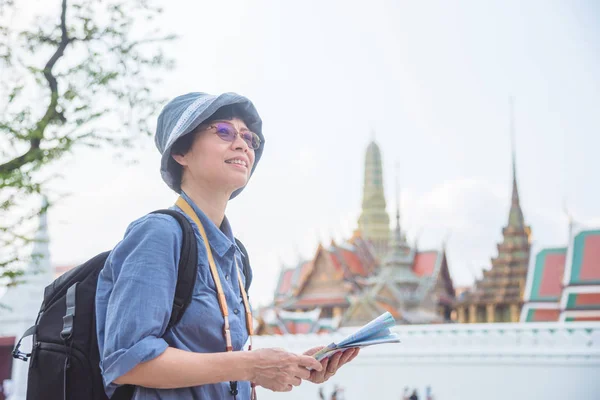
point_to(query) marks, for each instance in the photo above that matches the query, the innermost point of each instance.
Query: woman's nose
(239, 143)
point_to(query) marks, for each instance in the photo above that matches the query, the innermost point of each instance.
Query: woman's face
(215, 162)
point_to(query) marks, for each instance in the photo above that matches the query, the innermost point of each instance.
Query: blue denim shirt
(135, 294)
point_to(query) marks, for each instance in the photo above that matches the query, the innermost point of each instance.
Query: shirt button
(236, 311)
(227, 276)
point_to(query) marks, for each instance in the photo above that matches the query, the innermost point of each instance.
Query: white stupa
(21, 305)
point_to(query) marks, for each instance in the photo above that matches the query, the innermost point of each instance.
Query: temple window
(481, 314)
(502, 313)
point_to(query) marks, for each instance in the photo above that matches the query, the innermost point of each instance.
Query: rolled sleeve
(135, 296)
(124, 360)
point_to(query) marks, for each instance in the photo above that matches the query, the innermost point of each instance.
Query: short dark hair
(183, 145)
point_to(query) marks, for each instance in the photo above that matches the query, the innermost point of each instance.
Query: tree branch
(35, 153)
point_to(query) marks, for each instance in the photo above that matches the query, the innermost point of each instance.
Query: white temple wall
(465, 362)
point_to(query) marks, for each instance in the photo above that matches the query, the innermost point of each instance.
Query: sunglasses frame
(215, 129)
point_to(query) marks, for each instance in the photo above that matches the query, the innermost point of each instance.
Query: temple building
(563, 284)
(498, 296)
(313, 296)
(354, 281)
(413, 285)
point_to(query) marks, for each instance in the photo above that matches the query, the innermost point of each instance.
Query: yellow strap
(181, 203)
(186, 208)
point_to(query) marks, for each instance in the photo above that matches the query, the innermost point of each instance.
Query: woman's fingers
(356, 351)
(334, 364)
(304, 373)
(331, 364)
(348, 356)
(280, 370)
(309, 362)
(321, 375)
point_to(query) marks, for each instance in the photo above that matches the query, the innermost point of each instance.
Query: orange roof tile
(588, 299)
(542, 315)
(335, 261)
(554, 267)
(425, 263)
(285, 282)
(585, 318)
(354, 263)
(388, 307)
(591, 258)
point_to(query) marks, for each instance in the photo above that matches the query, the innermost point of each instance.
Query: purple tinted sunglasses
(226, 131)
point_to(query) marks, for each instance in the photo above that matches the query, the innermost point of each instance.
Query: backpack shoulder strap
(246, 261)
(188, 267)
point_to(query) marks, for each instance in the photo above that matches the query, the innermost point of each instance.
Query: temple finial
(569, 216)
(512, 138)
(446, 239)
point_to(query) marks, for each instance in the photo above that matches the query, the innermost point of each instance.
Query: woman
(210, 146)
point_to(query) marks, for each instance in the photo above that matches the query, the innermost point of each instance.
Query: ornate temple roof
(290, 280)
(564, 283)
(580, 300)
(504, 282)
(405, 284)
(544, 285)
(352, 260)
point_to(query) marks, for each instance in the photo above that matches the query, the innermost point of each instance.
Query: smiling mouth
(237, 162)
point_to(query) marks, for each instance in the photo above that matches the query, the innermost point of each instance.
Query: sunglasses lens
(251, 139)
(255, 141)
(226, 132)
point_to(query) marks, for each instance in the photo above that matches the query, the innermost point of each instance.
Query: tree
(64, 81)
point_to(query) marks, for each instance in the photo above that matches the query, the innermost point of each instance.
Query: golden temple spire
(515, 217)
(374, 221)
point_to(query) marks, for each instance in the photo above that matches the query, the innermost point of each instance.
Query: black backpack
(65, 360)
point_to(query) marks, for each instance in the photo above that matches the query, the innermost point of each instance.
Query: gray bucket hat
(184, 113)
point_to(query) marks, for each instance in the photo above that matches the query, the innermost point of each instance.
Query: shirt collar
(220, 240)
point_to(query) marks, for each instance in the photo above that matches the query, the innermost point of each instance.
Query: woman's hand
(331, 364)
(279, 370)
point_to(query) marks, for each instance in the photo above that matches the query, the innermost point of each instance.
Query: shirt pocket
(203, 310)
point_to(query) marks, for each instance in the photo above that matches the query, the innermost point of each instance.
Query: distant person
(321, 393)
(210, 146)
(428, 393)
(414, 395)
(334, 394)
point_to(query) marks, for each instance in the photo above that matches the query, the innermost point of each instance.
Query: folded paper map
(375, 332)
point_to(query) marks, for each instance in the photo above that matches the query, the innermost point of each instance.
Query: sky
(430, 81)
